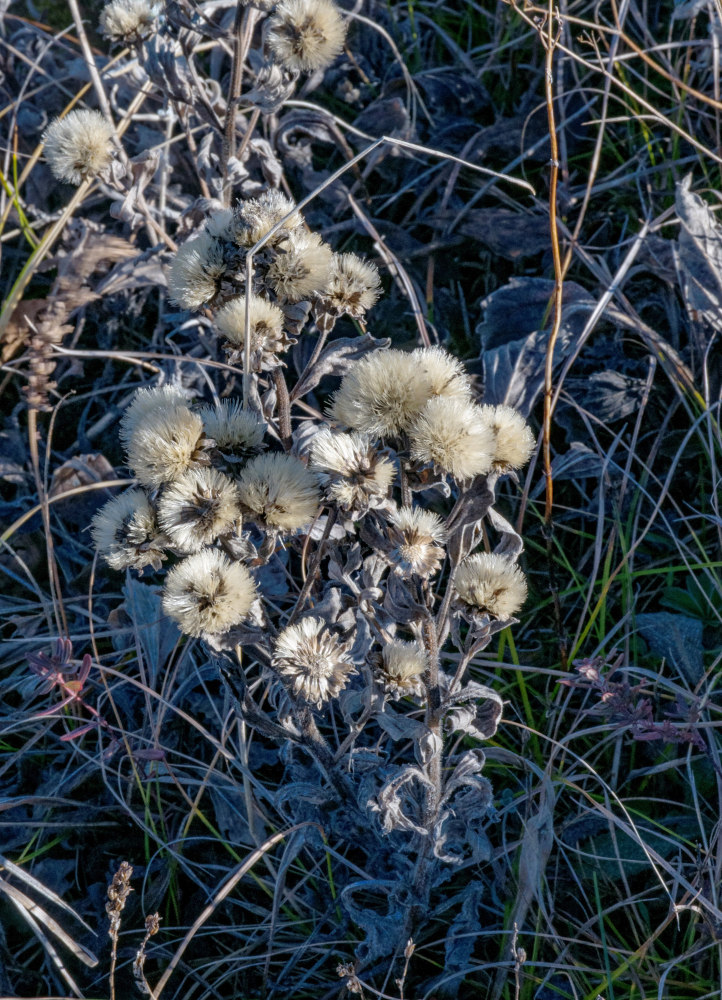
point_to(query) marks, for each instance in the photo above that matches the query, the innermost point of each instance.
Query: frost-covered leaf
(476, 711)
(699, 255)
(677, 638)
(336, 360)
(397, 793)
(464, 526)
(400, 727)
(510, 543)
(514, 336)
(155, 634)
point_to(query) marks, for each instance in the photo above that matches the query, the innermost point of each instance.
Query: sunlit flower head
(233, 429)
(312, 661)
(149, 402)
(255, 217)
(207, 594)
(402, 667)
(306, 35)
(126, 535)
(353, 473)
(417, 537)
(196, 270)
(78, 146)
(443, 374)
(381, 394)
(200, 507)
(129, 21)
(453, 435)
(486, 582)
(279, 491)
(354, 286)
(513, 435)
(166, 444)
(302, 267)
(268, 338)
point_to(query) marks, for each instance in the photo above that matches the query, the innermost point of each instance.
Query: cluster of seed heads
(218, 498)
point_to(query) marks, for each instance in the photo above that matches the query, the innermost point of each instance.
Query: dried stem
(283, 405)
(549, 40)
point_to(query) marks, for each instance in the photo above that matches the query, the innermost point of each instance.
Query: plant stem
(283, 404)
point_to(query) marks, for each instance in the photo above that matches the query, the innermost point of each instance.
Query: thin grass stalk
(550, 42)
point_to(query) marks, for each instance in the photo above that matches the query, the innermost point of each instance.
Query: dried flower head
(453, 435)
(402, 667)
(306, 35)
(78, 146)
(312, 661)
(268, 338)
(490, 583)
(253, 218)
(514, 437)
(207, 594)
(195, 272)
(353, 473)
(126, 535)
(302, 267)
(233, 429)
(417, 537)
(166, 444)
(353, 287)
(381, 394)
(443, 374)
(280, 491)
(200, 507)
(128, 21)
(147, 402)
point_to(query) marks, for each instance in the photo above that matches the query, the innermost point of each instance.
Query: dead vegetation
(591, 852)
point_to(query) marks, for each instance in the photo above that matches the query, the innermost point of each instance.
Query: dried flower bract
(128, 21)
(165, 445)
(78, 146)
(417, 537)
(195, 272)
(279, 491)
(126, 535)
(233, 429)
(207, 594)
(514, 440)
(490, 583)
(198, 508)
(312, 661)
(452, 435)
(353, 473)
(306, 35)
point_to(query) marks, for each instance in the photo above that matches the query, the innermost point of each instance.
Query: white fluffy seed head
(381, 394)
(207, 594)
(312, 661)
(78, 146)
(352, 472)
(353, 287)
(402, 668)
(195, 272)
(302, 267)
(165, 445)
(146, 403)
(306, 35)
(443, 374)
(453, 435)
(279, 491)
(128, 21)
(253, 218)
(513, 436)
(126, 535)
(200, 507)
(233, 428)
(490, 583)
(267, 321)
(417, 537)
